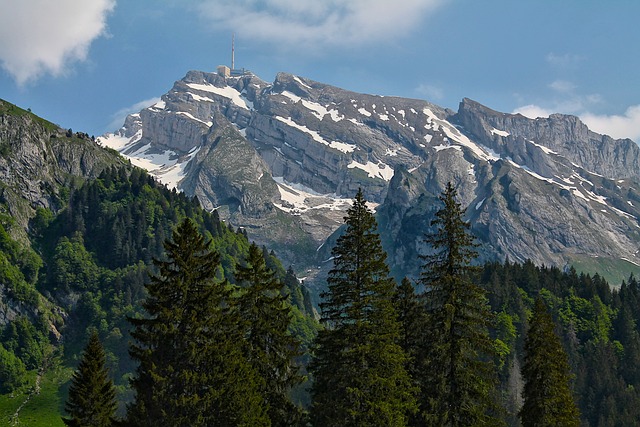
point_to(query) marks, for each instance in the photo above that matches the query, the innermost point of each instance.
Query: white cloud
(117, 118)
(626, 125)
(562, 86)
(564, 60)
(430, 91)
(533, 111)
(46, 36)
(304, 23)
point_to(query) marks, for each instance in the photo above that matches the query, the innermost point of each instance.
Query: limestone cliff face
(565, 135)
(228, 171)
(290, 154)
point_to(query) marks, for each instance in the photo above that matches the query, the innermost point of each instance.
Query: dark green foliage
(412, 317)
(92, 396)
(269, 347)
(358, 366)
(12, 371)
(192, 370)
(548, 399)
(19, 266)
(26, 340)
(456, 373)
(125, 216)
(73, 267)
(598, 327)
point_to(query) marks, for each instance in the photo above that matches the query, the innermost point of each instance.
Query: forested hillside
(87, 267)
(598, 326)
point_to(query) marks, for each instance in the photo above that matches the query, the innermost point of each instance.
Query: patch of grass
(14, 110)
(612, 270)
(9, 403)
(44, 409)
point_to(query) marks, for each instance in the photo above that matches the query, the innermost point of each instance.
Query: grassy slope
(42, 409)
(614, 271)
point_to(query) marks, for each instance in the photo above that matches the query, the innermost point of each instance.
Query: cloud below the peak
(118, 118)
(626, 125)
(43, 37)
(291, 24)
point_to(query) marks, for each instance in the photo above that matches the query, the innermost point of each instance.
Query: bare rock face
(228, 171)
(562, 134)
(283, 159)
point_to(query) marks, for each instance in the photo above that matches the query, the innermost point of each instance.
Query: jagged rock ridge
(285, 157)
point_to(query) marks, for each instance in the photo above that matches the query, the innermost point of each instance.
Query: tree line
(212, 353)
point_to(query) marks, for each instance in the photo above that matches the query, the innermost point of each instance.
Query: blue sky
(84, 63)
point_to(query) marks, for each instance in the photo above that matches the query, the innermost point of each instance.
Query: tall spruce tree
(268, 344)
(192, 370)
(548, 400)
(92, 396)
(457, 375)
(358, 367)
(412, 317)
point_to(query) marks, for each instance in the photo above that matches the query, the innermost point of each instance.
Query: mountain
(79, 226)
(283, 159)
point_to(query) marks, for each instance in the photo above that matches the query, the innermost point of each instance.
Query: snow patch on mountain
(337, 145)
(502, 133)
(543, 148)
(297, 79)
(200, 98)
(364, 112)
(446, 147)
(226, 92)
(297, 199)
(189, 115)
(318, 110)
(374, 170)
(116, 141)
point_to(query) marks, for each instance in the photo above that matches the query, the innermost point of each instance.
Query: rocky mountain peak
(290, 155)
(565, 135)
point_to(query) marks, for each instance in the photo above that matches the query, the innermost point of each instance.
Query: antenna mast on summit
(233, 50)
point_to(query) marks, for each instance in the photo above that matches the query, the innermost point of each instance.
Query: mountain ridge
(521, 178)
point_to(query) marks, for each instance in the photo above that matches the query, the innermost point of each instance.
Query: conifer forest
(170, 317)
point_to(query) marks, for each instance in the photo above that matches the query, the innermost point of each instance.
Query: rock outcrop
(38, 160)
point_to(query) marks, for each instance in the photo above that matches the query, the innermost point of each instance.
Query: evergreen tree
(92, 396)
(412, 318)
(358, 366)
(548, 400)
(457, 375)
(192, 370)
(269, 346)
(411, 314)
